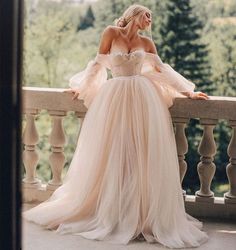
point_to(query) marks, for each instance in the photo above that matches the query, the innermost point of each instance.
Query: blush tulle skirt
(123, 180)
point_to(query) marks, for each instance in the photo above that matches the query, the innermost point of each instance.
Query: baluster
(30, 156)
(206, 167)
(182, 145)
(57, 157)
(230, 196)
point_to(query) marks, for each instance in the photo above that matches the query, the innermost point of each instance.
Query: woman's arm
(189, 94)
(107, 37)
(104, 47)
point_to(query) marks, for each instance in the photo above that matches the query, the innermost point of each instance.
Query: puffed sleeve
(90, 80)
(168, 81)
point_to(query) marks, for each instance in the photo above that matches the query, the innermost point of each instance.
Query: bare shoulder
(108, 35)
(149, 44)
(110, 30)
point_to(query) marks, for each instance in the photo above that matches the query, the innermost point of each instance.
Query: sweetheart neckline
(127, 53)
(124, 53)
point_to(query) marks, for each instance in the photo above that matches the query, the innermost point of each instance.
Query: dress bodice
(138, 62)
(126, 64)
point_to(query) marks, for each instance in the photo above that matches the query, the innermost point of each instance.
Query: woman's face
(144, 20)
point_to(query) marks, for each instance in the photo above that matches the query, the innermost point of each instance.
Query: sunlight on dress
(124, 180)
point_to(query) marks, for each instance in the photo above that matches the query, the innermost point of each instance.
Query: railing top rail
(50, 99)
(217, 107)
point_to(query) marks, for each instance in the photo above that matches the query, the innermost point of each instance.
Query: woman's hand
(75, 93)
(198, 95)
(157, 69)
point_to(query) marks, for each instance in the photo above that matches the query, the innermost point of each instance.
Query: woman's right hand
(198, 95)
(75, 93)
(157, 68)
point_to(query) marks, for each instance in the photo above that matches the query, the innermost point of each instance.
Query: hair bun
(121, 22)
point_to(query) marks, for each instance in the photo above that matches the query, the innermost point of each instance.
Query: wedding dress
(124, 180)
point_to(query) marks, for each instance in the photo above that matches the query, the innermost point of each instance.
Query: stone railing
(57, 103)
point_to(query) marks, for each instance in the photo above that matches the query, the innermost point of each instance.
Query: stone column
(57, 157)
(230, 196)
(182, 145)
(30, 155)
(206, 167)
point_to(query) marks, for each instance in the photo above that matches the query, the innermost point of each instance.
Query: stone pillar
(230, 196)
(30, 155)
(206, 167)
(182, 145)
(57, 157)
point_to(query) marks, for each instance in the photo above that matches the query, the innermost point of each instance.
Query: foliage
(181, 46)
(87, 20)
(219, 30)
(51, 45)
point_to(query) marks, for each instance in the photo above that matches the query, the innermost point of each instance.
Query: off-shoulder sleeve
(90, 80)
(169, 82)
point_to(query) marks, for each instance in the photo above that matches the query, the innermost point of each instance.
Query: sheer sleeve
(90, 80)
(168, 81)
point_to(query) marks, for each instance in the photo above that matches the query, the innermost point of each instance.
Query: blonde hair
(130, 13)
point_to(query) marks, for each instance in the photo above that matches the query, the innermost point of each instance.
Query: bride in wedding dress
(123, 181)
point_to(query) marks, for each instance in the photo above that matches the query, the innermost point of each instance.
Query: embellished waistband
(131, 76)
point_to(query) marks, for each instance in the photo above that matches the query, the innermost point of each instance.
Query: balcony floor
(222, 236)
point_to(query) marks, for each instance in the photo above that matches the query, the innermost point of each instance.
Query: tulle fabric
(169, 82)
(123, 180)
(90, 80)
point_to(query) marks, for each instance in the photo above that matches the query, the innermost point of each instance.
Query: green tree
(108, 11)
(180, 44)
(223, 54)
(52, 52)
(220, 28)
(87, 20)
(219, 31)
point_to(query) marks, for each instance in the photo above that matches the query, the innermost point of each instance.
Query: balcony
(217, 212)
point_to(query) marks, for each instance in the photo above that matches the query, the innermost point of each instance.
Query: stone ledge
(217, 209)
(217, 107)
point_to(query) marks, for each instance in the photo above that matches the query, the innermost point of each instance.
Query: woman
(123, 181)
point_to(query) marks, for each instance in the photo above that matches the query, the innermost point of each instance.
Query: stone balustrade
(203, 203)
